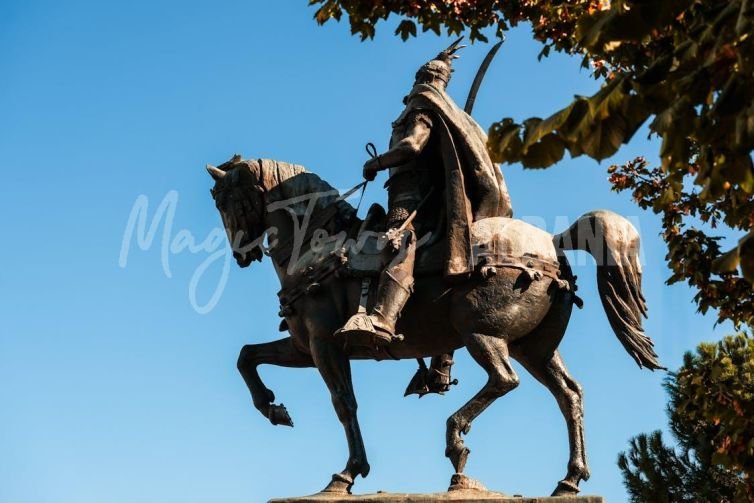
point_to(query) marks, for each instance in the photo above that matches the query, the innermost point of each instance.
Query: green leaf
(406, 29)
(571, 130)
(604, 138)
(537, 128)
(546, 152)
(504, 142)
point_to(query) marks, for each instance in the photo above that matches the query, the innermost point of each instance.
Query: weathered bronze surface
(447, 257)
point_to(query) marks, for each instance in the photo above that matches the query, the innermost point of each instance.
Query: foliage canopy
(684, 66)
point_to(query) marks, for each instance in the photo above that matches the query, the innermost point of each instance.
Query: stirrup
(429, 380)
(360, 330)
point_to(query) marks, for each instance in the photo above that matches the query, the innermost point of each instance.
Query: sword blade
(479, 77)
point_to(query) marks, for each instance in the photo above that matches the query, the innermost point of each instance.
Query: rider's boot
(435, 379)
(396, 284)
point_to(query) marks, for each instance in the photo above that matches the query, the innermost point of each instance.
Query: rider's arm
(417, 137)
(409, 147)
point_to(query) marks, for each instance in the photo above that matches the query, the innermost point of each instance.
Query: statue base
(459, 496)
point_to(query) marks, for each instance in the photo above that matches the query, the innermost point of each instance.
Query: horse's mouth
(243, 259)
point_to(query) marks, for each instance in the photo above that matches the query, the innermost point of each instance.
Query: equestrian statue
(445, 267)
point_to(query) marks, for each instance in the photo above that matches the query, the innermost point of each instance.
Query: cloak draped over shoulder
(474, 186)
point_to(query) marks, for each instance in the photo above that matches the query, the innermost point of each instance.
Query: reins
(360, 185)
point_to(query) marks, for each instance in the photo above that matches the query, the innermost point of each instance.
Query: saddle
(496, 242)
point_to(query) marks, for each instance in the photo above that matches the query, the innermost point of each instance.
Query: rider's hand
(371, 167)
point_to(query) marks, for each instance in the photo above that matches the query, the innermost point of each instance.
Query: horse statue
(517, 304)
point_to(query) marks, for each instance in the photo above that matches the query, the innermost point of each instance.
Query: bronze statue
(480, 279)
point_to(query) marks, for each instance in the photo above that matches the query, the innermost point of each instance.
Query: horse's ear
(236, 158)
(215, 173)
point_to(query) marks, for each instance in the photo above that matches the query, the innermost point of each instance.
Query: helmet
(439, 68)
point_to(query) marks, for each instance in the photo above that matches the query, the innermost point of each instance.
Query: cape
(474, 185)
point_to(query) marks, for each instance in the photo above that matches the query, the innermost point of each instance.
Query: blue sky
(115, 389)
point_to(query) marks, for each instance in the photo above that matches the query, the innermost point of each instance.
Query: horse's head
(239, 197)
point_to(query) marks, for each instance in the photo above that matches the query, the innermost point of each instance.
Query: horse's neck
(296, 241)
(299, 207)
(281, 229)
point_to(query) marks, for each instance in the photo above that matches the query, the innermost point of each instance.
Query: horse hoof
(278, 414)
(364, 470)
(566, 488)
(357, 467)
(459, 482)
(458, 455)
(340, 484)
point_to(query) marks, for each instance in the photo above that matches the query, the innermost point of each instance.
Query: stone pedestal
(462, 496)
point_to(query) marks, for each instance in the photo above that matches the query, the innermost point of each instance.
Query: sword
(480, 76)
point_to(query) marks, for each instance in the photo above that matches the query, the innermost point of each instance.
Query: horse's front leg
(335, 368)
(282, 353)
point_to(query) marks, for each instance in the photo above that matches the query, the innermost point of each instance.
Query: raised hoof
(459, 482)
(566, 488)
(340, 484)
(278, 414)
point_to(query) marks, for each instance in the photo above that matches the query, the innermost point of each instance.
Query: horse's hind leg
(552, 372)
(492, 354)
(282, 353)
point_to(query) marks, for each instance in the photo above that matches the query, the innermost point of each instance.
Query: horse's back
(512, 238)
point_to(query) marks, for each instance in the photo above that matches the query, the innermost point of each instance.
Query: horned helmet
(440, 68)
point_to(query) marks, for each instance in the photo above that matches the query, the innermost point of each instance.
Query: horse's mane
(284, 181)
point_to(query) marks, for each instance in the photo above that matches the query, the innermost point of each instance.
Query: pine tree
(711, 400)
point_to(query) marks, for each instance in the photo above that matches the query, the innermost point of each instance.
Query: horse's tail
(614, 243)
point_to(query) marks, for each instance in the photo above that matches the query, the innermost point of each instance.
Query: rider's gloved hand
(371, 168)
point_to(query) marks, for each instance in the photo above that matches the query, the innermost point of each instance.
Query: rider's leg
(396, 283)
(377, 327)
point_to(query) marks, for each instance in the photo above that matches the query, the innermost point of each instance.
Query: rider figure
(420, 173)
